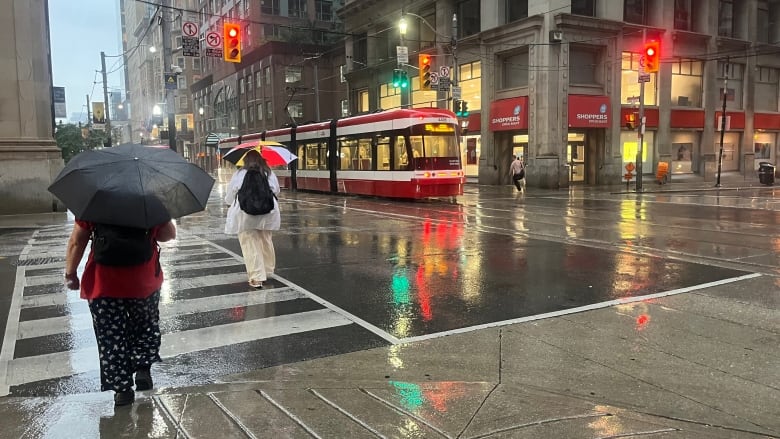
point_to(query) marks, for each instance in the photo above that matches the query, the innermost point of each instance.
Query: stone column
(29, 158)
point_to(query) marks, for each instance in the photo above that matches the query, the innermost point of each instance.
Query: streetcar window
(347, 150)
(356, 154)
(401, 161)
(365, 155)
(383, 154)
(312, 155)
(301, 156)
(434, 146)
(323, 156)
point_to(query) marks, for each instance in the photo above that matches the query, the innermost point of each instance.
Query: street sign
(444, 84)
(643, 77)
(214, 45)
(170, 81)
(189, 29)
(402, 53)
(444, 71)
(58, 97)
(190, 46)
(434, 78)
(456, 92)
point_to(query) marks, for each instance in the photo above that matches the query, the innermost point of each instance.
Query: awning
(212, 140)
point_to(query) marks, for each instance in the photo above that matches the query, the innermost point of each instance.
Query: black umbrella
(132, 185)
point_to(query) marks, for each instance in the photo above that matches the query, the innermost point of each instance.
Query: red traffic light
(231, 44)
(652, 56)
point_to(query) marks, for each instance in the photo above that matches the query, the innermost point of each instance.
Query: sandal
(255, 284)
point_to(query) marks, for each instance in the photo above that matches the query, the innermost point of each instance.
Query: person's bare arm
(167, 232)
(79, 238)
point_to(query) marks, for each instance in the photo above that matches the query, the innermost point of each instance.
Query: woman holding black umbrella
(123, 300)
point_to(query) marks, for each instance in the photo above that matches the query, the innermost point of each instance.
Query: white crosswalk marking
(45, 309)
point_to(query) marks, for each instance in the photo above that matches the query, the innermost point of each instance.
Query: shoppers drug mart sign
(589, 111)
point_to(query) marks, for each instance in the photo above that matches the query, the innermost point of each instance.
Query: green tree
(70, 139)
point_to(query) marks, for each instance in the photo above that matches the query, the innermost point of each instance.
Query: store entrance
(576, 158)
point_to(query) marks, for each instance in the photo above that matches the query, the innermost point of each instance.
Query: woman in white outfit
(254, 231)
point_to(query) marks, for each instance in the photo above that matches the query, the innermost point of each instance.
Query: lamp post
(402, 27)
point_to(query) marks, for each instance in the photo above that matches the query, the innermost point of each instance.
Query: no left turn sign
(213, 39)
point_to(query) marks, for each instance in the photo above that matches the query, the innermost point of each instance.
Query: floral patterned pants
(128, 338)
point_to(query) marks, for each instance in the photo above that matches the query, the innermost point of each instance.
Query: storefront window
(685, 158)
(731, 151)
(629, 85)
(764, 148)
(389, 97)
(687, 83)
(471, 84)
(630, 143)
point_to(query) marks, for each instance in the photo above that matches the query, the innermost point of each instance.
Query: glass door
(575, 157)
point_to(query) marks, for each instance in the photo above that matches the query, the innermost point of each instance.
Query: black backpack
(255, 196)
(121, 246)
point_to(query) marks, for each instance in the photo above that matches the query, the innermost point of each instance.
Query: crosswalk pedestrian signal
(461, 108)
(231, 42)
(424, 64)
(652, 56)
(630, 120)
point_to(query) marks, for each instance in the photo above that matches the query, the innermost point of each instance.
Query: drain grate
(37, 261)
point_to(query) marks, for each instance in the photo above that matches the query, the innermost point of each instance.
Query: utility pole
(105, 97)
(723, 120)
(316, 88)
(89, 115)
(455, 76)
(405, 98)
(167, 63)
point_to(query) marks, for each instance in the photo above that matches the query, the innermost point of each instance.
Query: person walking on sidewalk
(123, 300)
(254, 231)
(517, 172)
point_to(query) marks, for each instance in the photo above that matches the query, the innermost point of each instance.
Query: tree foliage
(70, 139)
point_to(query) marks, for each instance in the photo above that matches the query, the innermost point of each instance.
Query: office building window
(389, 97)
(296, 8)
(182, 80)
(687, 80)
(682, 14)
(269, 7)
(583, 7)
(196, 64)
(634, 11)
(733, 86)
(243, 116)
(629, 85)
(241, 86)
(183, 103)
(363, 101)
(293, 74)
(259, 111)
(584, 65)
(258, 79)
(344, 108)
(766, 88)
(267, 73)
(250, 114)
(360, 49)
(469, 17)
(471, 84)
(269, 111)
(180, 62)
(324, 9)
(514, 70)
(295, 108)
(516, 10)
(249, 83)
(726, 18)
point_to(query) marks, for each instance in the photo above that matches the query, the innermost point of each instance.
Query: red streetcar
(402, 153)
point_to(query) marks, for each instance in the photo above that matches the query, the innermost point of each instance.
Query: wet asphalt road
(356, 273)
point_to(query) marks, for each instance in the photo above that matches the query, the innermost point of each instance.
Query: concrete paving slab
(744, 314)
(634, 374)
(198, 416)
(257, 414)
(316, 414)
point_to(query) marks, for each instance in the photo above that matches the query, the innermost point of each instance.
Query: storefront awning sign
(509, 114)
(588, 111)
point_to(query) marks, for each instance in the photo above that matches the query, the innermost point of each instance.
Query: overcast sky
(79, 31)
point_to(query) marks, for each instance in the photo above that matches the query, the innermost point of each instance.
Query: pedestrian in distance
(121, 282)
(253, 215)
(517, 172)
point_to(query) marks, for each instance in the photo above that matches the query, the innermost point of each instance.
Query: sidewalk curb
(32, 221)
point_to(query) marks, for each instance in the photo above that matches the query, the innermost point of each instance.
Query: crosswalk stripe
(63, 324)
(62, 364)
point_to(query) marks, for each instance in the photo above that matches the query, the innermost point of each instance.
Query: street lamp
(200, 111)
(156, 110)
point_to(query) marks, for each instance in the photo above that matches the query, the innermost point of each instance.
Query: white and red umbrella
(274, 153)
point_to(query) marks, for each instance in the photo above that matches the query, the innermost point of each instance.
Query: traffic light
(630, 120)
(424, 64)
(652, 56)
(461, 108)
(404, 79)
(456, 106)
(397, 77)
(231, 42)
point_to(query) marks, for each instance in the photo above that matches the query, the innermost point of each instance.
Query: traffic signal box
(400, 78)
(231, 42)
(630, 120)
(424, 64)
(461, 108)
(652, 56)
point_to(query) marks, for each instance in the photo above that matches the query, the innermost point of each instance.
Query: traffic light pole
(167, 63)
(455, 76)
(639, 149)
(105, 97)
